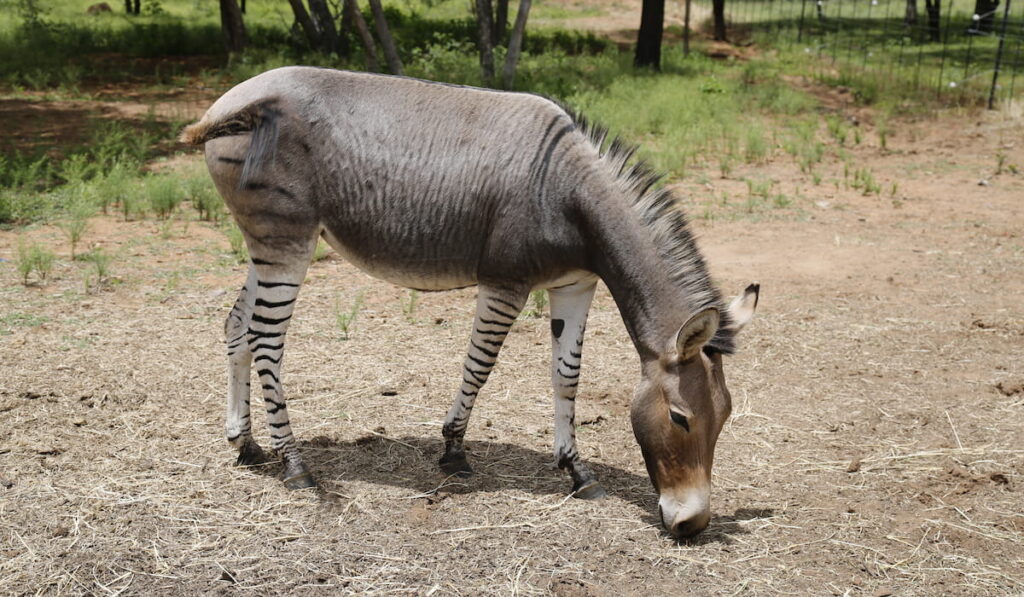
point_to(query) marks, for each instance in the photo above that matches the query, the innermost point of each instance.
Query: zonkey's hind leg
(279, 272)
(496, 311)
(569, 308)
(238, 423)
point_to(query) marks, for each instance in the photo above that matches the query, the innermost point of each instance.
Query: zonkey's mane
(661, 213)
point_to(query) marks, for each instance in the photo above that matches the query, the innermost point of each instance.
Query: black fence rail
(964, 51)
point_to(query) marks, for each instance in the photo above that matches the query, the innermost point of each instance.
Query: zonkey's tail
(259, 119)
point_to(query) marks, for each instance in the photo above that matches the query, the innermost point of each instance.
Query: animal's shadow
(411, 463)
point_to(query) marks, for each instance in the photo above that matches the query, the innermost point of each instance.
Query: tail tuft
(195, 134)
(259, 119)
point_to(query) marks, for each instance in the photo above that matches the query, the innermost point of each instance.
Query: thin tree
(232, 26)
(648, 39)
(934, 10)
(484, 42)
(369, 47)
(686, 29)
(324, 21)
(387, 43)
(718, 16)
(515, 45)
(910, 15)
(306, 23)
(985, 11)
(500, 23)
(132, 7)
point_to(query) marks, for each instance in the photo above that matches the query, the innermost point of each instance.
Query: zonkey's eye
(680, 420)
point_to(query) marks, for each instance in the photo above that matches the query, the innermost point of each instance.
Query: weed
(100, 262)
(882, 128)
(131, 203)
(409, 304)
(321, 251)
(237, 240)
(166, 227)
(114, 186)
(539, 300)
(345, 320)
(164, 195)
(756, 149)
(204, 198)
(35, 258)
(864, 180)
(781, 201)
(76, 222)
(837, 129)
(1000, 161)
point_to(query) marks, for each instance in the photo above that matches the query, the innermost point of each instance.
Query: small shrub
(204, 198)
(164, 195)
(35, 258)
(539, 300)
(346, 320)
(76, 222)
(409, 303)
(321, 251)
(237, 240)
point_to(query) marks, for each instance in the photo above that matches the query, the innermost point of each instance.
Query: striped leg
(496, 311)
(277, 286)
(569, 308)
(238, 425)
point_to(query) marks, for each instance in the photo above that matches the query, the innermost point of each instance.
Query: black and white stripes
(496, 311)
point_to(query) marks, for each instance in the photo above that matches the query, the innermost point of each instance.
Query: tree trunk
(986, 12)
(128, 6)
(306, 23)
(243, 6)
(484, 43)
(352, 10)
(232, 26)
(515, 45)
(137, 7)
(934, 10)
(648, 39)
(324, 21)
(686, 29)
(910, 17)
(386, 41)
(500, 23)
(718, 12)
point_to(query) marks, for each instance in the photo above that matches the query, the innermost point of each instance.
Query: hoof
(296, 475)
(251, 454)
(301, 481)
(456, 465)
(589, 490)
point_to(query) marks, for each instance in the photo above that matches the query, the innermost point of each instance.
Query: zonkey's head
(678, 411)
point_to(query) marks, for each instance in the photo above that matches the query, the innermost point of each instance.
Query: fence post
(999, 57)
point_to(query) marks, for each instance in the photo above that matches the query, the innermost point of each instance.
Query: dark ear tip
(754, 287)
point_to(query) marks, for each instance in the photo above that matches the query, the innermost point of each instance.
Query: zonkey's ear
(696, 332)
(741, 309)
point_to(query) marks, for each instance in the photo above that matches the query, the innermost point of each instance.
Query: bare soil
(875, 446)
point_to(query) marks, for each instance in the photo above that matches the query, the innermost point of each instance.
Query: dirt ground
(875, 446)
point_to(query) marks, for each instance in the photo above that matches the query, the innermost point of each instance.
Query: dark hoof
(456, 465)
(589, 490)
(301, 481)
(251, 454)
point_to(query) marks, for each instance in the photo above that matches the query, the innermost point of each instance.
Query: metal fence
(946, 48)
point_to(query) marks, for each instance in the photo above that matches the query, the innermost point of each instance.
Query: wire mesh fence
(964, 51)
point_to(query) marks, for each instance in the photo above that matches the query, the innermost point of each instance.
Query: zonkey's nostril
(688, 528)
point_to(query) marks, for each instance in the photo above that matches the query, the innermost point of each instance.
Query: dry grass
(875, 444)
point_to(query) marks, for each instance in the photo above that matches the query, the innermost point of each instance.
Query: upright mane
(660, 211)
